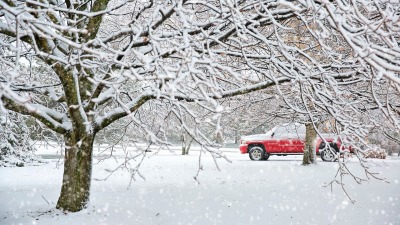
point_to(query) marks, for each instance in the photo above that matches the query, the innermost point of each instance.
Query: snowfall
(277, 191)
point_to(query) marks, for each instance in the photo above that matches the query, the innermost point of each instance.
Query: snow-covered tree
(16, 145)
(110, 59)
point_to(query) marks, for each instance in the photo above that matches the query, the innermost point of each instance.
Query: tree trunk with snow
(309, 146)
(75, 188)
(183, 144)
(186, 144)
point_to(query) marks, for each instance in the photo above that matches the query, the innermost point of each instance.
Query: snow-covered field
(277, 191)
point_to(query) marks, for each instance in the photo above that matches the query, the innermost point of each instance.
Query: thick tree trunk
(75, 188)
(309, 147)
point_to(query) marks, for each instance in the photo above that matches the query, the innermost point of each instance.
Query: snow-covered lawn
(277, 191)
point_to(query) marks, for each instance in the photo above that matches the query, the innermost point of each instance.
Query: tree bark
(309, 147)
(188, 146)
(75, 188)
(183, 144)
(186, 143)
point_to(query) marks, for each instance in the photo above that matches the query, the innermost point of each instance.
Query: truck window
(290, 131)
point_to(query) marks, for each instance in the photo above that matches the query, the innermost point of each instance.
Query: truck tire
(266, 156)
(257, 153)
(328, 155)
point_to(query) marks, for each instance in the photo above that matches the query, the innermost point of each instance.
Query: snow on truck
(288, 139)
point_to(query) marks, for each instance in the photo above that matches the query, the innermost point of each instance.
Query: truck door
(298, 139)
(291, 138)
(281, 136)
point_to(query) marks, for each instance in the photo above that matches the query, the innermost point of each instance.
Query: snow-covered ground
(277, 191)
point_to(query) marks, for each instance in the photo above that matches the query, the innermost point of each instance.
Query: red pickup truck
(287, 139)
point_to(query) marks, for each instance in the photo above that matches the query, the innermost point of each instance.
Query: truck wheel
(266, 156)
(327, 155)
(256, 153)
